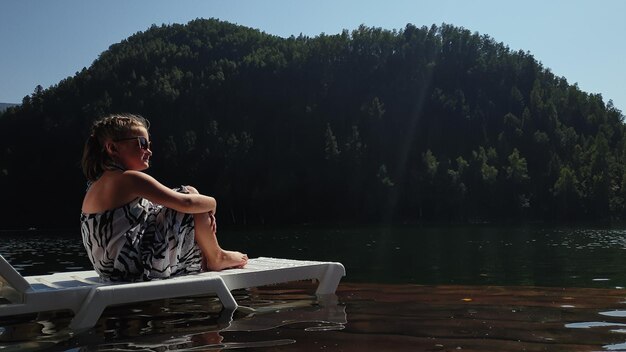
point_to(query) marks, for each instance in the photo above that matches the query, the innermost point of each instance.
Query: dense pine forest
(413, 125)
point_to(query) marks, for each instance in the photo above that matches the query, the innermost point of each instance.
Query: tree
(331, 149)
(568, 193)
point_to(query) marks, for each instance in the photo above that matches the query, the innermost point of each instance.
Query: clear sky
(45, 41)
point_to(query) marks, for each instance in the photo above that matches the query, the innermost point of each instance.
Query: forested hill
(418, 124)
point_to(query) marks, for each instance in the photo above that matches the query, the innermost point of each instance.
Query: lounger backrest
(9, 276)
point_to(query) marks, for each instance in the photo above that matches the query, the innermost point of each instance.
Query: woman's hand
(213, 221)
(192, 190)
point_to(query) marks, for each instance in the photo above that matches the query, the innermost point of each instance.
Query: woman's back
(106, 193)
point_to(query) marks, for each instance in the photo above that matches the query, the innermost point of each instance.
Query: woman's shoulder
(127, 181)
(134, 178)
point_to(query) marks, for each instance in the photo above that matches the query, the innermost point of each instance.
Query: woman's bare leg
(215, 257)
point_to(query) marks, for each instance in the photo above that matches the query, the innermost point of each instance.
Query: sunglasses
(143, 142)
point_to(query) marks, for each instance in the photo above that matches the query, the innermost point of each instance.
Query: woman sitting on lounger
(133, 227)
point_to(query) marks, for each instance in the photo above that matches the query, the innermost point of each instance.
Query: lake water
(408, 288)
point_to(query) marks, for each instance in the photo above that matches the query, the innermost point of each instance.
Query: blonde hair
(113, 127)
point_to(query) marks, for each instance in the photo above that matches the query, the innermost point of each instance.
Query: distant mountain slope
(420, 124)
(4, 106)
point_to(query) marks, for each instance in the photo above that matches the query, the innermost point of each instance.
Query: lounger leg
(227, 299)
(330, 280)
(89, 312)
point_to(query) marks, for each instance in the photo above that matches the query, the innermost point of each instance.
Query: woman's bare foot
(225, 260)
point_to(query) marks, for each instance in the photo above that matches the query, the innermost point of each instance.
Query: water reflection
(480, 254)
(483, 288)
(484, 255)
(183, 323)
(362, 317)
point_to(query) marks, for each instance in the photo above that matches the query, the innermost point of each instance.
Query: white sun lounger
(87, 296)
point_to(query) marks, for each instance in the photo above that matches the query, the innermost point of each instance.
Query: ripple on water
(614, 313)
(591, 324)
(326, 327)
(615, 347)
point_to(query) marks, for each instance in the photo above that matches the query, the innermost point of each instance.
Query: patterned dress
(141, 241)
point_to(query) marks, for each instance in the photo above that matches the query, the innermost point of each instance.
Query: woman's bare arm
(146, 186)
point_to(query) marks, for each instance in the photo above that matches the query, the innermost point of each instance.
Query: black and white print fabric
(141, 241)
